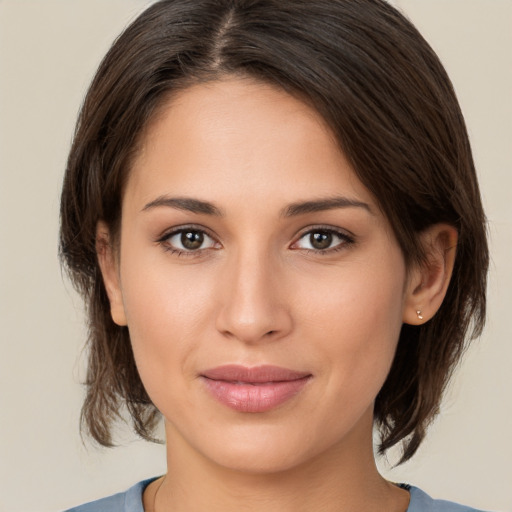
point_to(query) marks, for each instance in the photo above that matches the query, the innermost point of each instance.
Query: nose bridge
(252, 306)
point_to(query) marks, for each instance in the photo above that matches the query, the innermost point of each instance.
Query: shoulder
(422, 502)
(127, 501)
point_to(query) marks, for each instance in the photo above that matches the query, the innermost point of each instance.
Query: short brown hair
(365, 68)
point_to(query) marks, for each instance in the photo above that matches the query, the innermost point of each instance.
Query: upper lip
(258, 374)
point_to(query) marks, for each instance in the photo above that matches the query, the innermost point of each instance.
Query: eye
(187, 240)
(323, 240)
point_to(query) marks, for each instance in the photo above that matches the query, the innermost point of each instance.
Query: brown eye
(188, 240)
(323, 241)
(192, 240)
(320, 240)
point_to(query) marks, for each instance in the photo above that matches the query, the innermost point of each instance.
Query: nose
(253, 305)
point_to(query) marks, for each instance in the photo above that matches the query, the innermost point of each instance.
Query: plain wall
(49, 50)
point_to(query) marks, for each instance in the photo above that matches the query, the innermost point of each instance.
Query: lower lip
(259, 397)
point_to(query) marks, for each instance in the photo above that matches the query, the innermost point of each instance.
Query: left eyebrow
(319, 205)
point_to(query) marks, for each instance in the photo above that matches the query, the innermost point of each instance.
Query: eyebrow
(185, 203)
(295, 209)
(330, 203)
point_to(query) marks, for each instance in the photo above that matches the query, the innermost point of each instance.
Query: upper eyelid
(179, 229)
(164, 241)
(342, 233)
(320, 227)
(346, 237)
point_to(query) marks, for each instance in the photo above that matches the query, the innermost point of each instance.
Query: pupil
(192, 239)
(321, 240)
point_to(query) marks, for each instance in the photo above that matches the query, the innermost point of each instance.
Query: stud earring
(418, 312)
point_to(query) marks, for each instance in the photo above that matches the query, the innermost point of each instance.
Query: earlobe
(429, 280)
(110, 273)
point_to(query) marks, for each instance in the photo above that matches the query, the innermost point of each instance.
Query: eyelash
(164, 241)
(345, 240)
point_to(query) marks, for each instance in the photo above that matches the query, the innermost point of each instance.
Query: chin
(259, 462)
(265, 450)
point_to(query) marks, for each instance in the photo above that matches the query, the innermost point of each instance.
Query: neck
(344, 479)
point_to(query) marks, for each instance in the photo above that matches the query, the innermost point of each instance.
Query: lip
(256, 389)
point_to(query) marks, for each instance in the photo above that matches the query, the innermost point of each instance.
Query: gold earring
(418, 312)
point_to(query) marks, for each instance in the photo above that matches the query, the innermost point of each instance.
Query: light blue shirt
(131, 501)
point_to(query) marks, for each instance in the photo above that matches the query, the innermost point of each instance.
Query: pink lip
(256, 389)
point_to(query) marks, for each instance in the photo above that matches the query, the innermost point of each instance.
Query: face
(263, 288)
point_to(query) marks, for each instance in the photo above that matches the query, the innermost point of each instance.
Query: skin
(258, 292)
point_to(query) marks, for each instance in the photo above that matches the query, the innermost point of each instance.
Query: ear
(110, 271)
(429, 280)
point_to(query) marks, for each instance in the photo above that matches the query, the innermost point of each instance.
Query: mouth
(252, 390)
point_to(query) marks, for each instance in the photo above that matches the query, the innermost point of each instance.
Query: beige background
(49, 50)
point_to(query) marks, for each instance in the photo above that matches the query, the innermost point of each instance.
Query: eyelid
(178, 229)
(163, 238)
(347, 238)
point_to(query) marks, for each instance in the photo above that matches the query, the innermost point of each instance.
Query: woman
(272, 212)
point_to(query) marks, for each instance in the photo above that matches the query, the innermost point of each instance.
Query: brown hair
(385, 95)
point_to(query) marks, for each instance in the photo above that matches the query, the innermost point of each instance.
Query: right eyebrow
(185, 203)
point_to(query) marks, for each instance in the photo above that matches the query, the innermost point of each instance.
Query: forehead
(227, 137)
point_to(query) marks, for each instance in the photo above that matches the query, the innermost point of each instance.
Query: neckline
(141, 487)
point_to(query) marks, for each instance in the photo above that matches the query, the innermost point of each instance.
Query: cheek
(358, 318)
(165, 310)
(363, 300)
